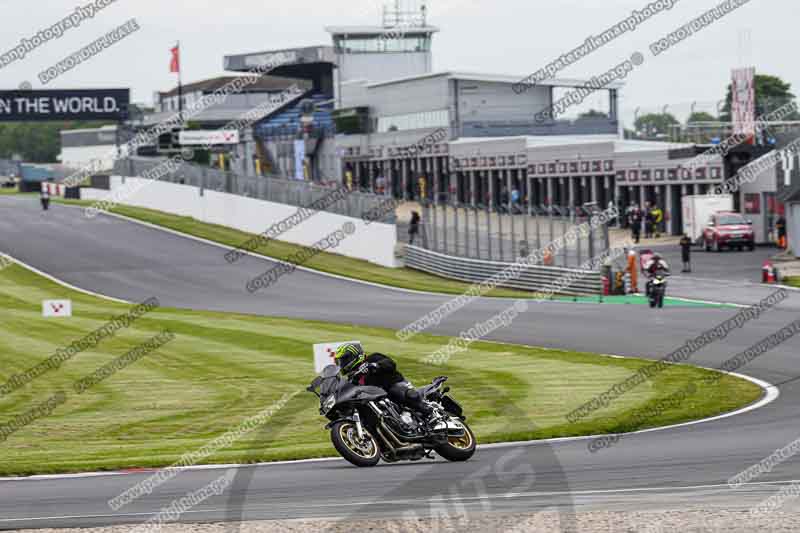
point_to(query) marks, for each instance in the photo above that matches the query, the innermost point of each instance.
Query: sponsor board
(56, 308)
(78, 104)
(208, 137)
(323, 354)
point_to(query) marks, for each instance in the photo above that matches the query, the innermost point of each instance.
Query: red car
(729, 230)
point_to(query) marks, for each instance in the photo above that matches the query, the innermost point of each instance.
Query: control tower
(399, 48)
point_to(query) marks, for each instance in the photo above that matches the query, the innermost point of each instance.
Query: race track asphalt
(672, 468)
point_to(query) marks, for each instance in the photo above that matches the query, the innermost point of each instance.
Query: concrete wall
(374, 242)
(793, 227)
(414, 96)
(378, 67)
(496, 101)
(80, 156)
(764, 183)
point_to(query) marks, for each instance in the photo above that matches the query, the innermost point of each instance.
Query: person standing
(633, 273)
(686, 253)
(44, 197)
(636, 224)
(413, 227)
(515, 200)
(649, 221)
(658, 219)
(780, 226)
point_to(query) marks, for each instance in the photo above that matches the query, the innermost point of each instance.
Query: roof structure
(261, 84)
(499, 78)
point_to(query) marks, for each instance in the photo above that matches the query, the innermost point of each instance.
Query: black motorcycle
(656, 289)
(366, 426)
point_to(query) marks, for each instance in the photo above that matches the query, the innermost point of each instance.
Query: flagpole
(180, 83)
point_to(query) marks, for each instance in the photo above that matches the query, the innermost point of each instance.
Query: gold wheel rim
(345, 432)
(462, 443)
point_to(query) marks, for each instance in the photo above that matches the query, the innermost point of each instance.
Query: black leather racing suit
(384, 374)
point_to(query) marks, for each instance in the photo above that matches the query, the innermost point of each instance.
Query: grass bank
(222, 368)
(336, 264)
(792, 282)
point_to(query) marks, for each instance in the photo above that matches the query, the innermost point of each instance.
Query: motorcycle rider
(378, 370)
(655, 266)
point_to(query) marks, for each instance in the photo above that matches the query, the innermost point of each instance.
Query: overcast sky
(497, 36)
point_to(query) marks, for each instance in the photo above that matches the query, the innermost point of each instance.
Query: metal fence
(534, 278)
(284, 191)
(477, 233)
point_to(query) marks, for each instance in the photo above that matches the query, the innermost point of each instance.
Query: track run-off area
(672, 468)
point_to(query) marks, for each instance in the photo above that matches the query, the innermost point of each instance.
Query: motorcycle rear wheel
(458, 448)
(345, 439)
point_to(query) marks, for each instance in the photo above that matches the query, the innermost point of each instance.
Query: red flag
(175, 63)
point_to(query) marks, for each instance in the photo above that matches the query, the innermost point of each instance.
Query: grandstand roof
(262, 83)
(304, 55)
(499, 78)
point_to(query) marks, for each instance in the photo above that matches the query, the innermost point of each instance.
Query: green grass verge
(222, 368)
(336, 264)
(326, 262)
(792, 281)
(9, 190)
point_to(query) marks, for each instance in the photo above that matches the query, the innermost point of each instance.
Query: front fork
(359, 427)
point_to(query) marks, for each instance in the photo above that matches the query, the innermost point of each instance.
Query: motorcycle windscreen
(329, 386)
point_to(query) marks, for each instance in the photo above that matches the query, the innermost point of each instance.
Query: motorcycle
(657, 288)
(366, 426)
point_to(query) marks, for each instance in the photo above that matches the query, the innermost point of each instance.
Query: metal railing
(533, 278)
(475, 233)
(272, 189)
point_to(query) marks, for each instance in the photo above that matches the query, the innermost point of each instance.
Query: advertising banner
(743, 104)
(208, 137)
(78, 104)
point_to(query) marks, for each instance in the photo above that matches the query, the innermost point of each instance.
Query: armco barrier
(533, 278)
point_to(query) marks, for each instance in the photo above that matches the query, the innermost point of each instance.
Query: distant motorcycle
(366, 426)
(656, 289)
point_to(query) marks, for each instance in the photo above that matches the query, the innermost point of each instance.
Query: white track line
(771, 394)
(64, 283)
(337, 276)
(417, 501)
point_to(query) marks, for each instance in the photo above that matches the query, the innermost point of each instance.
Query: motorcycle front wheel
(360, 452)
(458, 448)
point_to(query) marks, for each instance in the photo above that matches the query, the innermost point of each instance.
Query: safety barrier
(534, 278)
(272, 189)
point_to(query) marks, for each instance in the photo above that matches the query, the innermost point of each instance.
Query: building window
(415, 121)
(393, 41)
